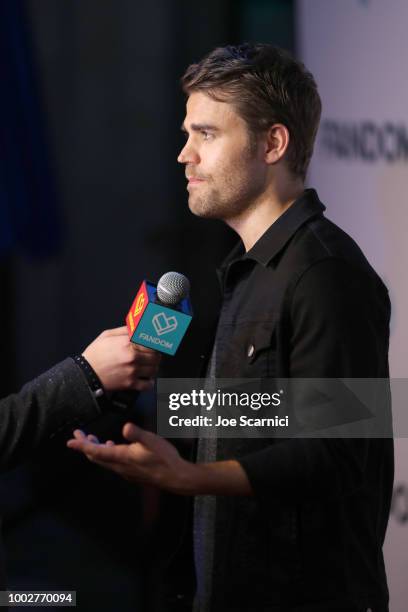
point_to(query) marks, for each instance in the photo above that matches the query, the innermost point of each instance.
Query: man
(294, 524)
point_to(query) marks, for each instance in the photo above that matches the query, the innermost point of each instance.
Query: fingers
(143, 384)
(144, 349)
(131, 432)
(139, 366)
(148, 439)
(92, 438)
(80, 435)
(99, 452)
(146, 371)
(145, 366)
(120, 364)
(146, 356)
(141, 461)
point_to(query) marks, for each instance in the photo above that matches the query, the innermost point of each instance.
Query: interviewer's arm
(61, 398)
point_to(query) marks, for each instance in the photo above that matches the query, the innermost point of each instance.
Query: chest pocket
(253, 350)
(261, 353)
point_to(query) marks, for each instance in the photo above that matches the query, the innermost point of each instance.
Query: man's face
(225, 170)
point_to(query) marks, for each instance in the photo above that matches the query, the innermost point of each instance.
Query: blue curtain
(29, 216)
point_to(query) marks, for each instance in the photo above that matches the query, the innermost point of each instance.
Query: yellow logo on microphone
(139, 305)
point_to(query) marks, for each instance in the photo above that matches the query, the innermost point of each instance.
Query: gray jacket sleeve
(56, 400)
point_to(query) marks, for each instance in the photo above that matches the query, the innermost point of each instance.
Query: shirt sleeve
(339, 319)
(54, 401)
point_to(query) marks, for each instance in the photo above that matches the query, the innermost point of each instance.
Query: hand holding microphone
(120, 365)
(156, 324)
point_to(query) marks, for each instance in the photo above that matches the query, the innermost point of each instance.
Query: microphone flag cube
(155, 325)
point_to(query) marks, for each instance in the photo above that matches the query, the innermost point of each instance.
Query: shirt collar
(278, 234)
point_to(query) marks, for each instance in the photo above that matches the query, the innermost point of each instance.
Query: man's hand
(120, 364)
(150, 459)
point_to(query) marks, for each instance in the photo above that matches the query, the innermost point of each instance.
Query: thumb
(133, 433)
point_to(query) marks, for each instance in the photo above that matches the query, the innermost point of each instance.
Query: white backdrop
(358, 53)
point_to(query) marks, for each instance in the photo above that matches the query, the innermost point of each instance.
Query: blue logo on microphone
(162, 328)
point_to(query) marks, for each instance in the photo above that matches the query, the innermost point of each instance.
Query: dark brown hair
(266, 85)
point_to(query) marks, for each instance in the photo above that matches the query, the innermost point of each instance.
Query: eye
(206, 135)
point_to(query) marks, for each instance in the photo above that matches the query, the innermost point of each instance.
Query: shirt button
(251, 350)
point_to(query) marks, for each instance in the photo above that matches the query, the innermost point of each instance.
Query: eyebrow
(198, 127)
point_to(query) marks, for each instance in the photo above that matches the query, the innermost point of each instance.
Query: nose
(188, 155)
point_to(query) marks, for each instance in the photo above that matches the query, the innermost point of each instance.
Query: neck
(262, 212)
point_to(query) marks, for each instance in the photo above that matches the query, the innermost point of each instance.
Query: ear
(277, 142)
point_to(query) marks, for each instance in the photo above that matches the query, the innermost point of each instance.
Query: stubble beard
(234, 197)
(233, 194)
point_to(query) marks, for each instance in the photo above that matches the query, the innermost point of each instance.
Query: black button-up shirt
(303, 302)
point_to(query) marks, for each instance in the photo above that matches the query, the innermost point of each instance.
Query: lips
(194, 181)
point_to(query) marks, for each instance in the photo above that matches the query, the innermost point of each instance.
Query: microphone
(159, 316)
